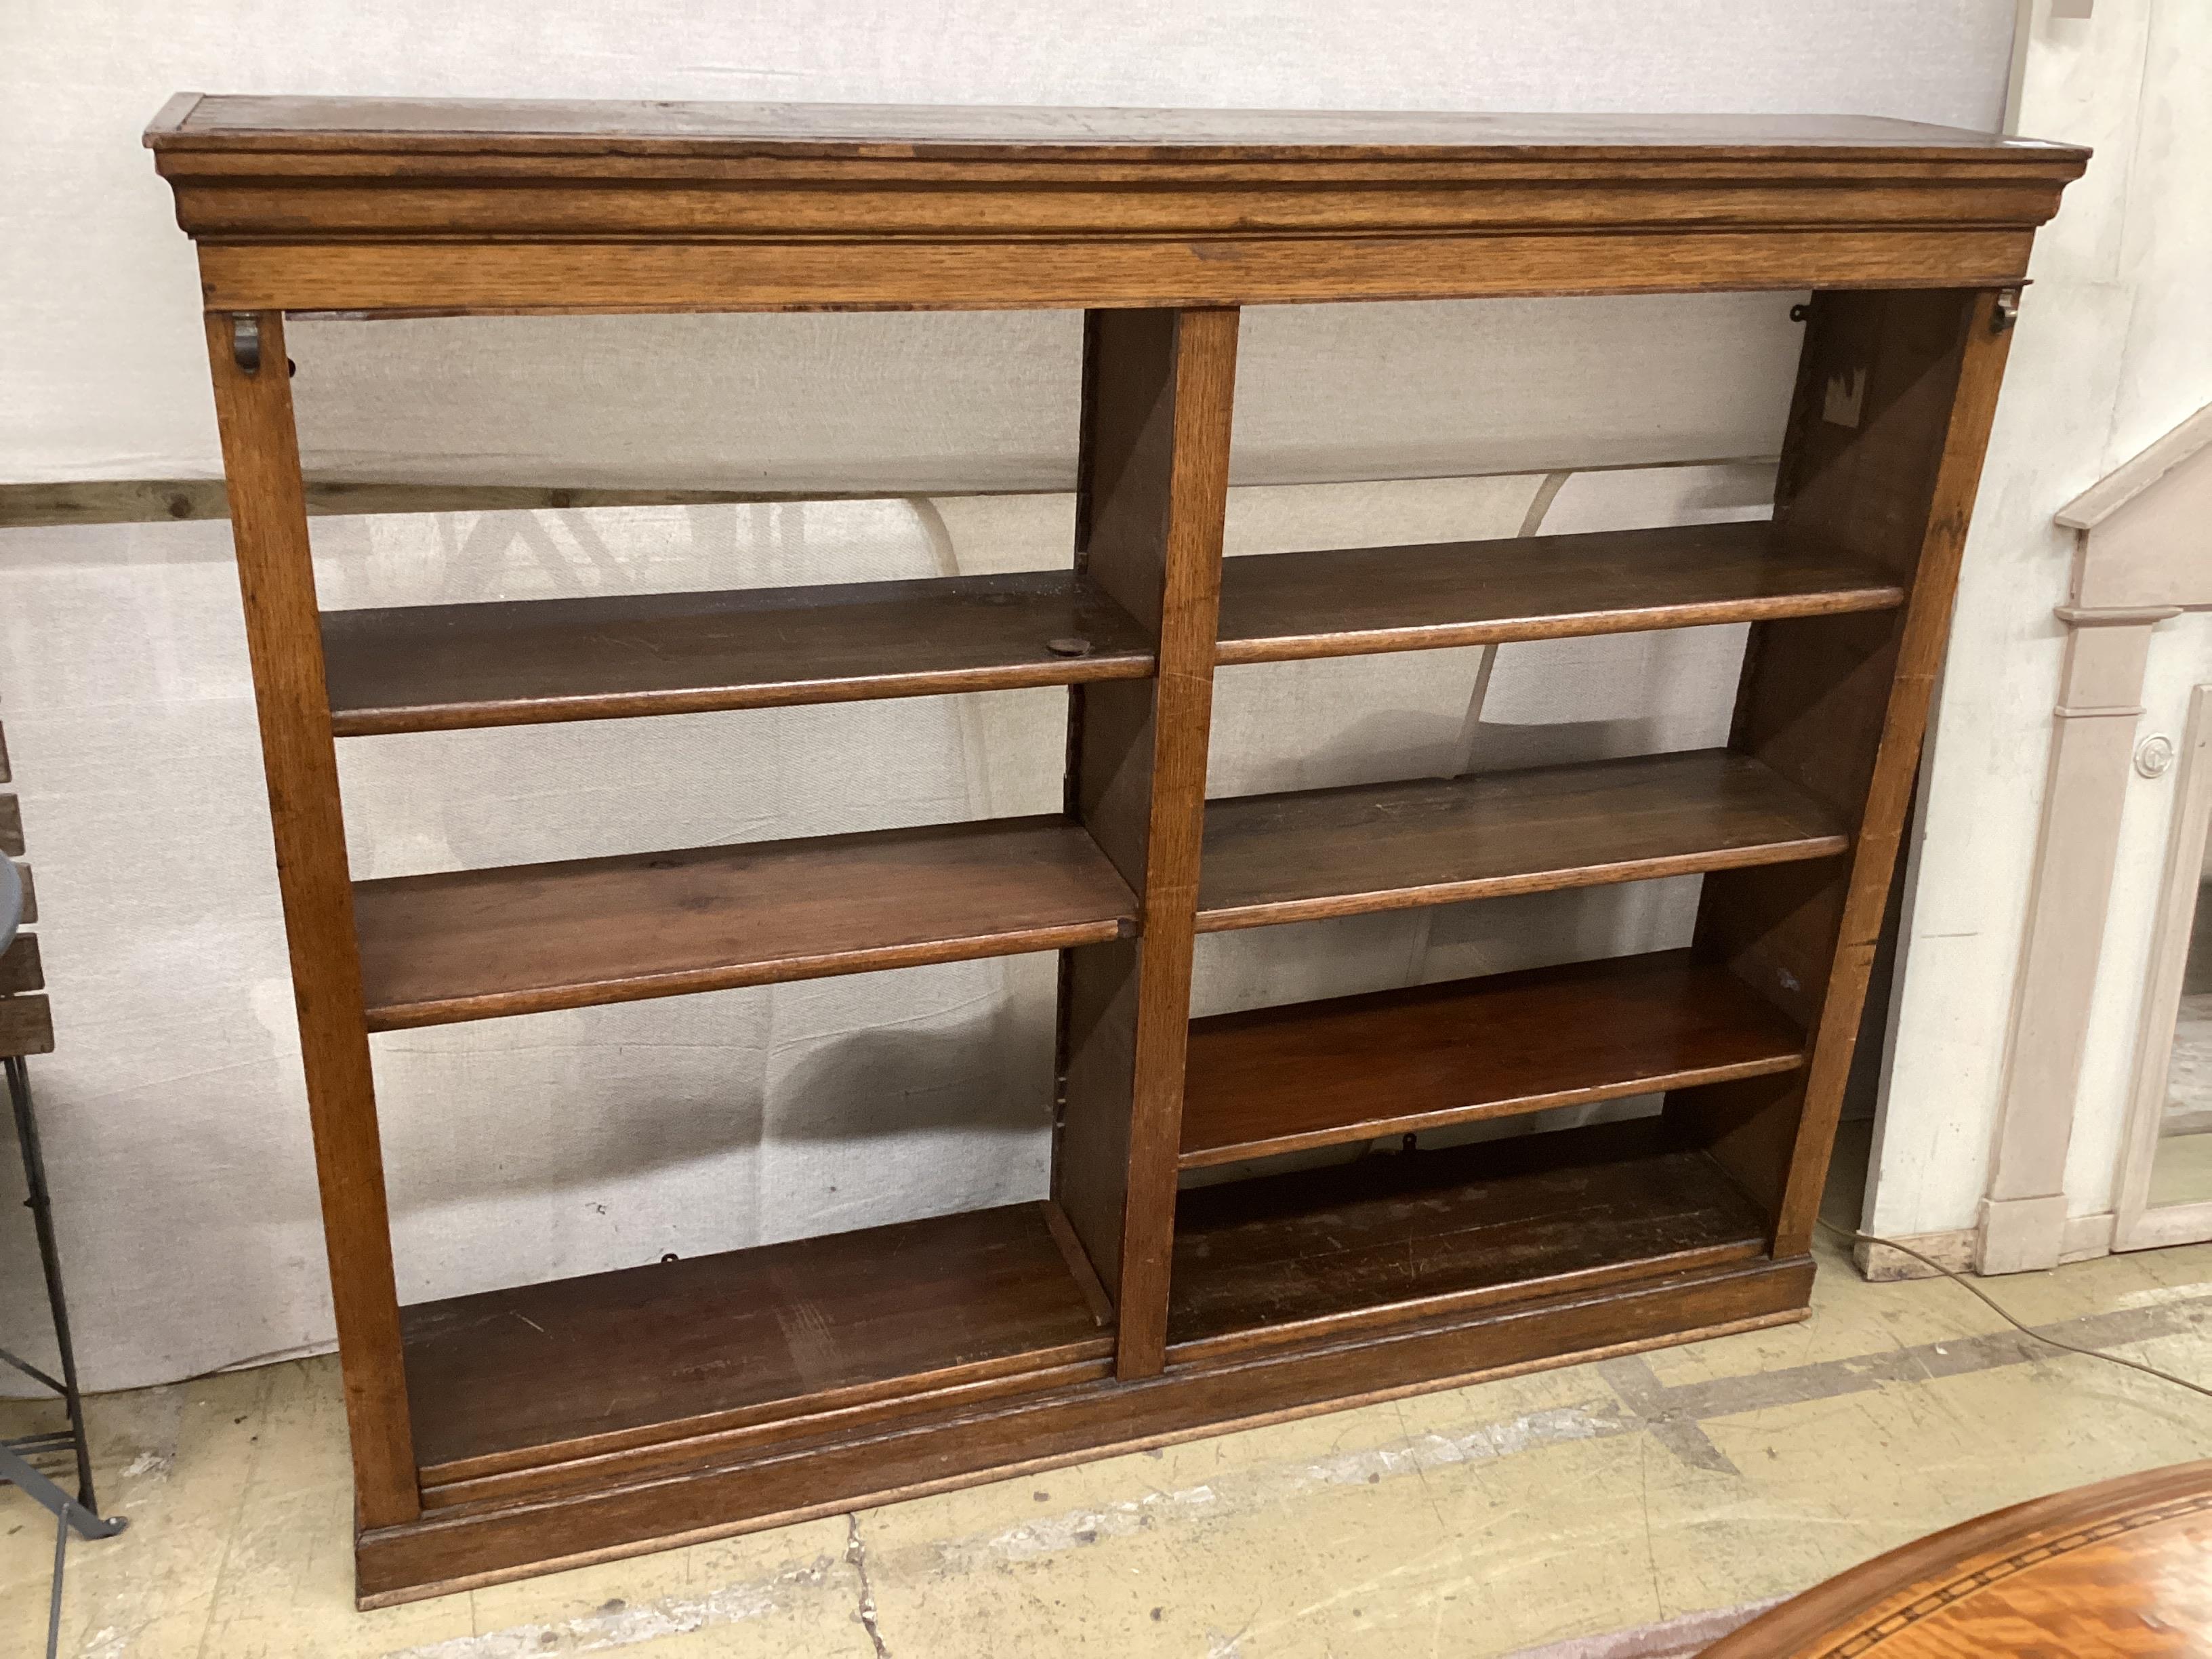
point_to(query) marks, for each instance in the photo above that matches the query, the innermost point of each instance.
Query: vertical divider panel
(1895, 394)
(1151, 492)
(284, 638)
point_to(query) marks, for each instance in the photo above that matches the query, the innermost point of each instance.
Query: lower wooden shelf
(508, 1382)
(1293, 1259)
(1324, 1073)
(959, 1444)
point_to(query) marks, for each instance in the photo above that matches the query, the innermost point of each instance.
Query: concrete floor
(1676, 1489)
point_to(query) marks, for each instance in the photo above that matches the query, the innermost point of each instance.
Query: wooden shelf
(1390, 1239)
(518, 1430)
(480, 944)
(1310, 854)
(512, 1379)
(1277, 607)
(427, 668)
(1353, 1068)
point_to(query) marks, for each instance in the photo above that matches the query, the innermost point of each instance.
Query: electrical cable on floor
(1850, 1236)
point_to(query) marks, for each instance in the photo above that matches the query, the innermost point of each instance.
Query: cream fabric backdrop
(566, 1142)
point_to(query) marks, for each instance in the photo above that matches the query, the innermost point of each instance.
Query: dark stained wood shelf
(1309, 854)
(426, 668)
(1296, 1257)
(1277, 607)
(480, 944)
(515, 1432)
(1353, 1068)
(507, 1379)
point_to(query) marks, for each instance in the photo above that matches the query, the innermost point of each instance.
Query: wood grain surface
(483, 944)
(603, 126)
(427, 668)
(1353, 1068)
(2121, 1569)
(1277, 607)
(581, 1367)
(26, 1025)
(1153, 488)
(601, 1516)
(506, 275)
(1894, 397)
(21, 969)
(1393, 1239)
(283, 642)
(396, 205)
(685, 1400)
(1308, 854)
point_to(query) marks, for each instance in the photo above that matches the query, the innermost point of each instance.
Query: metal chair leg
(79, 1514)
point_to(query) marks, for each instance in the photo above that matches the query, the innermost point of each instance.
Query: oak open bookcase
(670, 1401)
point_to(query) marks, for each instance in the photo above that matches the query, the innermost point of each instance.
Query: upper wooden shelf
(331, 204)
(480, 944)
(1310, 854)
(427, 668)
(1279, 606)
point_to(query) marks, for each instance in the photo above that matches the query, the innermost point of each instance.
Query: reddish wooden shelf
(428, 668)
(480, 944)
(1353, 1068)
(1310, 854)
(1422, 1236)
(528, 1430)
(509, 1380)
(1279, 606)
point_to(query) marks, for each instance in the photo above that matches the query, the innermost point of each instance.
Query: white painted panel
(2181, 660)
(2109, 354)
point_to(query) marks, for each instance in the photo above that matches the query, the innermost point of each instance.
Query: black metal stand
(81, 1512)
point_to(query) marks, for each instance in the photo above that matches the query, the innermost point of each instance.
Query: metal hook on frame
(246, 342)
(2006, 311)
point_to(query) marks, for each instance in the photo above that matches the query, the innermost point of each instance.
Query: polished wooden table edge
(1931, 1574)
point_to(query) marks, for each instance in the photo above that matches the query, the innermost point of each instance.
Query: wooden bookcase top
(603, 126)
(386, 205)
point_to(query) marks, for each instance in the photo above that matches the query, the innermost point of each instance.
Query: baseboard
(1955, 1250)
(2082, 1238)
(2021, 1235)
(2086, 1237)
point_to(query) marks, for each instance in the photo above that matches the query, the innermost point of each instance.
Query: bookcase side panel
(1891, 417)
(269, 528)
